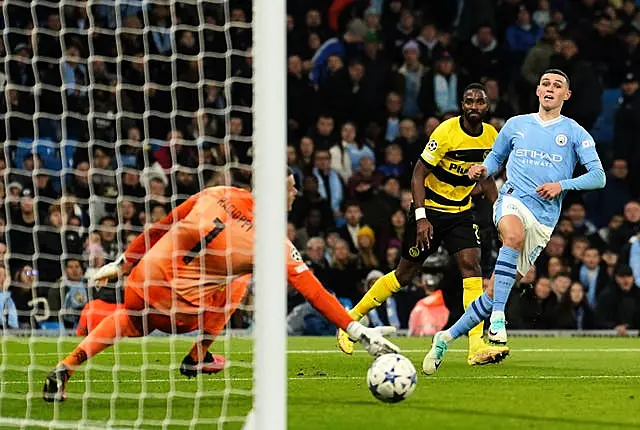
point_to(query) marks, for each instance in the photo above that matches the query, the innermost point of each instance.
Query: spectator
(542, 15)
(340, 157)
(534, 309)
(537, 61)
(629, 227)
(53, 242)
(409, 78)
(393, 164)
(356, 148)
(390, 122)
(441, 89)
(585, 104)
(409, 140)
(577, 215)
(609, 201)
(560, 284)
(634, 257)
(300, 96)
(23, 292)
(498, 108)
(329, 183)
(399, 36)
(574, 311)
(430, 315)
(619, 305)
(315, 258)
(349, 231)
(627, 127)
(378, 75)
(322, 134)
(347, 46)
(8, 308)
(592, 276)
(578, 247)
(309, 199)
(521, 37)
(345, 278)
(481, 57)
(21, 241)
(366, 241)
(365, 181)
(70, 295)
(430, 46)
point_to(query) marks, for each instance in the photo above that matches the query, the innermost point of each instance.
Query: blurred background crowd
(114, 114)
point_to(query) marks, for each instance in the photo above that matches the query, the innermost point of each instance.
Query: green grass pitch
(546, 383)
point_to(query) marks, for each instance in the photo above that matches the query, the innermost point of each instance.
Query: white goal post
(92, 80)
(269, 140)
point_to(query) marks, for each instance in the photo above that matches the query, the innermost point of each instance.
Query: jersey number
(476, 230)
(219, 226)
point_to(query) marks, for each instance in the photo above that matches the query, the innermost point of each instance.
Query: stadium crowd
(107, 128)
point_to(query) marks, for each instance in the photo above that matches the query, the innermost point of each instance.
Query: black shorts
(455, 231)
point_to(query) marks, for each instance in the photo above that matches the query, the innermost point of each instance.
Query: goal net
(115, 113)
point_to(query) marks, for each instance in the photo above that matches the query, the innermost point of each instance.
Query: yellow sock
(380, 291)
(472, 289)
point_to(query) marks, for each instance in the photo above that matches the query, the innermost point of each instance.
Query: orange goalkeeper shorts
(168, 312)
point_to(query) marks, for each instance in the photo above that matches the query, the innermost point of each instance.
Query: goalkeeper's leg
(379, 292)
(222, 305)
(124, 322)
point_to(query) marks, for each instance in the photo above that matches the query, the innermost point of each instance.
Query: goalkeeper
(183, 283)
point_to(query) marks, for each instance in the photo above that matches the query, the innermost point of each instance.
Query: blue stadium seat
(48, 152)
(602, 130)
(69, 148)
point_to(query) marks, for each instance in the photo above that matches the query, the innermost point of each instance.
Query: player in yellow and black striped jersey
(448, 154)
(441, 185)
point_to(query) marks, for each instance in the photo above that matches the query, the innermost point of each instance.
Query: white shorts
(536, 235)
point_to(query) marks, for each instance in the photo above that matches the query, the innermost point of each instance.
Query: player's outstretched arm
(497, 155)
(139, 246)
(487, 187)
(372, 339)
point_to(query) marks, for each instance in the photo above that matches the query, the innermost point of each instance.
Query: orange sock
(108, 332)
(199, 349)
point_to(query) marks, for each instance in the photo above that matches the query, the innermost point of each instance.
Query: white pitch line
(336, 351)
(362, 378)
(21, 422)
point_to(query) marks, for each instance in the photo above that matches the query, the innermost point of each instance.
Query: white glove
(373, 339)
(106, 273)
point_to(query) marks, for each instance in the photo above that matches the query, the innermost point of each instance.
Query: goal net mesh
(115, 113)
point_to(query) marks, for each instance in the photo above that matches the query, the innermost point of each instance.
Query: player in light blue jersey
(543, 149)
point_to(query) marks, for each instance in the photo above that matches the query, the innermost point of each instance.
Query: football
(392, 378)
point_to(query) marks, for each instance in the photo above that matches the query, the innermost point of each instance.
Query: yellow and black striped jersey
(449, 153)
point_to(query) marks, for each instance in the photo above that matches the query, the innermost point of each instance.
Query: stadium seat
(602, 131)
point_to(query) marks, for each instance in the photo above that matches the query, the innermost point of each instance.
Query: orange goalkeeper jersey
(207, 241)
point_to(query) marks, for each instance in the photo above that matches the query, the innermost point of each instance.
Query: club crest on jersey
(432, 145)
(295, 255)
(486, 153)
(414, 251)
(561, 139)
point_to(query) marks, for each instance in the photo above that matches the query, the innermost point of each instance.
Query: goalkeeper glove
(107, 272)
(373, 339)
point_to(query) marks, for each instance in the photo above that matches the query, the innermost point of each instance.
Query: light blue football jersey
(540, 152)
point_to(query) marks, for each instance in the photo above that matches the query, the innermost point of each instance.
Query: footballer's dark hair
(557, 72)
(475, 86)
